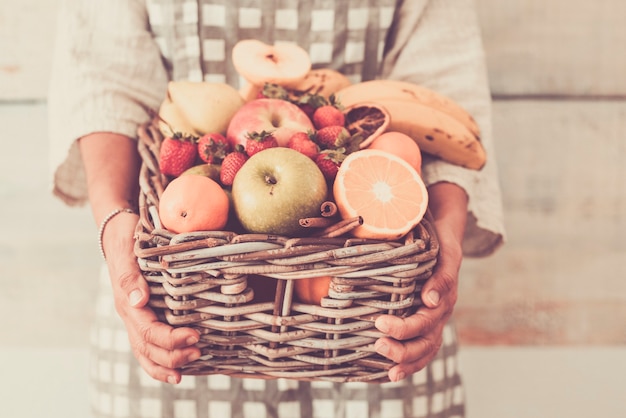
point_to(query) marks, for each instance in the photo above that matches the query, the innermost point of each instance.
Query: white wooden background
(558, 75)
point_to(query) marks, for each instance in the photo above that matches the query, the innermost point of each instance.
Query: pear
(198, 108)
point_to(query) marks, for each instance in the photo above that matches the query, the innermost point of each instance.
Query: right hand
(159, 348)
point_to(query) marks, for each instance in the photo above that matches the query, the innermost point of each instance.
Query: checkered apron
(195, 37)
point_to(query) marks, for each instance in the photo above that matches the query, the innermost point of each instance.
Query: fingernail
(135, 297)
(433, 297)
(193, 356)
(381, 348)
(192, 340)
(172, 380)
(383, 326)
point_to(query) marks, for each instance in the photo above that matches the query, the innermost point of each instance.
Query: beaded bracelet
(104, 223)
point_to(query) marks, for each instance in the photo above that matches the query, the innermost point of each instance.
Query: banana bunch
(439, 125)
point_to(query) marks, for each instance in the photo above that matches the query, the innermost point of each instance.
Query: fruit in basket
(436, 133)
(321, 81)
(280, 117)
(380, 89)
(211, 171)
(439, 125)
(231, 165)
(330, 114)
(177, 154)
(197, 108)
(259, 63)
(275, 188)
(318, 82)
(400, 145)
(213, 147)
(258, 141)
(383, 189)
(303, 143)
(328, 161)
(332, 137)
(366, 120)
(193, 203)
(312, 290)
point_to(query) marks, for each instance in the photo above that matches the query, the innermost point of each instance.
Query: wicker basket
(200, 280)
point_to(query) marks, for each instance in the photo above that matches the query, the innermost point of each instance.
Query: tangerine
(401, 145)
(193, 203)
(384, 190)
(312, 290)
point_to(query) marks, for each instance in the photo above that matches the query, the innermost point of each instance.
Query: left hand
(414, 341)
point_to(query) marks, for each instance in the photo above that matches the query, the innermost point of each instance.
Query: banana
(398, 89)
(437, 133)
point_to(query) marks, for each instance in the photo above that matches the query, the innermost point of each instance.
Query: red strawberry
(329, 161)
(177, 154)
(302, 142)
(213, 147)
(258, 141)
(231, 165)
(332, 137)
(309, 103)
(328, 115)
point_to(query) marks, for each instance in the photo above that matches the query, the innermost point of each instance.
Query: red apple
(271, 115)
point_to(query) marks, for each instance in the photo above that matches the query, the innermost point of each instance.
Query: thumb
(130, 283)
(443, 283)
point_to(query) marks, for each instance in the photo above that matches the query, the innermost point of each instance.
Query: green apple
(275, 188)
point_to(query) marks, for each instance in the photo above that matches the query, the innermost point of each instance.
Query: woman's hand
(414, 341)
(112, 168)
(159, 348)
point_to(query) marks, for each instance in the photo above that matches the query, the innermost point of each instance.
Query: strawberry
(309, 103)
(302, 142)
(329, 114)
(258, 141)
(328, 161)
(332, 137)
(177, 154)
(213, 147)
(231, 165)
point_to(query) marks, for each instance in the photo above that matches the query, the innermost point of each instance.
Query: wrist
(107, 223)
(448, 204)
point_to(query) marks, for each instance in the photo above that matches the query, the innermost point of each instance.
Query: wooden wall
(558, 76)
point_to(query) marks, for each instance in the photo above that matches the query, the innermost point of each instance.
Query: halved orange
(367, 120)
(383, 189)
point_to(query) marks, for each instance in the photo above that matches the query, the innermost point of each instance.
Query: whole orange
(312, 290)
(193, 203)
(401, 145)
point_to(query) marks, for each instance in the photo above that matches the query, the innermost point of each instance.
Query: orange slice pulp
(383, 189)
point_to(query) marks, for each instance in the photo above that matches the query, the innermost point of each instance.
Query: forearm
(112, 170)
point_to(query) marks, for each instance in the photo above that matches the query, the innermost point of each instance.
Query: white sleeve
(106, 75)
(438, 44)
